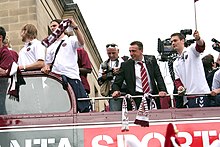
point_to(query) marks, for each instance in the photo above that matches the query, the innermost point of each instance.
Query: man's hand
(73, 23)
(46, 69)
(198, 39)
(116, 94)
(215, 92)
(181, 90)
(162, 93)
(196, 35)
(3, 72)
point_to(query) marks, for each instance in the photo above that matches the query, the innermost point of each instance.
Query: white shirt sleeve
(40, 51)
(49, 55)
(75, 43)
(216, 80)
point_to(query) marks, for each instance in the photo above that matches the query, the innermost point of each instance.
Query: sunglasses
(111, 45)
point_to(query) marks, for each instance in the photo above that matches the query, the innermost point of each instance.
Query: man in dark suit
(130, 72)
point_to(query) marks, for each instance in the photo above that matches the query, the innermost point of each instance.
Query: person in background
(131, 74)
(32, 55)
(218, 61)
(209, 67)
(7, 43)
(189, 71)
(6, 59)
(65, 63)
(107, 72)
(216, 87)
(84, 67)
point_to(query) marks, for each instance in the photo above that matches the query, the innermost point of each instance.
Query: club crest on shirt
(64, 44)
(28, 46)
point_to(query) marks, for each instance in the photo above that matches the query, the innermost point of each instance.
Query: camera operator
(217, 62)
(216, 46)
(108, 70)
(189, 71)
(209, 68)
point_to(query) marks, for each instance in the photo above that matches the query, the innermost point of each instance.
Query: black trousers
(200, 101)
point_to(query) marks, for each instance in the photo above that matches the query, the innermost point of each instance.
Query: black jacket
(127, 73)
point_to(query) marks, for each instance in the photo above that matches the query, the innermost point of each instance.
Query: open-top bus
(46, 116)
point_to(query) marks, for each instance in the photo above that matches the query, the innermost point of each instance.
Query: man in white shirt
(32, 55)
(65, 62)
(189, 71)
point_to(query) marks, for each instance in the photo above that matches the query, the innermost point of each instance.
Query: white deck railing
(138, 96)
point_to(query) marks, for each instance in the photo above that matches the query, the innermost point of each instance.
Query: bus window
(39, 95)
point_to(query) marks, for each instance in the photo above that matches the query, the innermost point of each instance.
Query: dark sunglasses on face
(111, 45)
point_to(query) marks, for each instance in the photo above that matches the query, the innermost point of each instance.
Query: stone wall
(16, 13)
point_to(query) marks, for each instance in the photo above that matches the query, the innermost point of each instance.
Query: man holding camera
(189, 71)
(107, 72)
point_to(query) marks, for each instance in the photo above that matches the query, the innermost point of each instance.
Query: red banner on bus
(200, 134)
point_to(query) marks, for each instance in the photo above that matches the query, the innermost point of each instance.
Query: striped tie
(144, 78)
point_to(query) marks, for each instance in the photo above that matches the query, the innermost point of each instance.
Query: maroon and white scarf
(15, 83)
(142, 117)
(56, 33)
(124, 115)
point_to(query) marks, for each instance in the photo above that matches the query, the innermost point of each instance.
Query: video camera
(165, 49)
(216, 45)
(186, 32)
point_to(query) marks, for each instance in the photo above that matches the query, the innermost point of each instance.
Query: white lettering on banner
(95, 141)
(188, 138)
(14, 143)
(36, 141)
(205, 136)
(150, 136)
(134, 139)
(64, 142)
(51, 140)
(121, 139)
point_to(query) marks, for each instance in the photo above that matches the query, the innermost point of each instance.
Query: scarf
(124, 114)
(142, 117)
(56, 33)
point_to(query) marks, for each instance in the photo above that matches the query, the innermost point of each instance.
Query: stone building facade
(15, 13)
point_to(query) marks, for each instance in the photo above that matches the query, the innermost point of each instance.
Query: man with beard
(32, 55)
